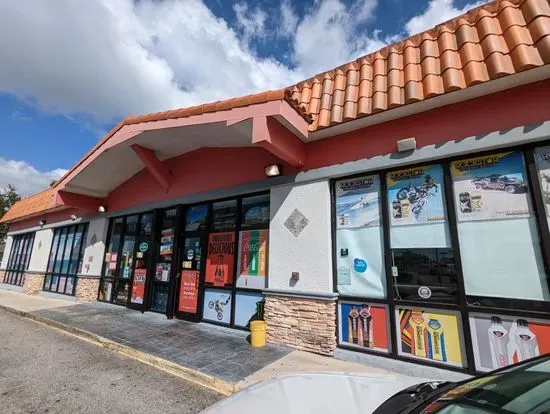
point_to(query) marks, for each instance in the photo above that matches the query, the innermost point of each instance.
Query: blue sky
(72, 70)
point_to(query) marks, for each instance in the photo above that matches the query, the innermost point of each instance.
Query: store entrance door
(190, 277)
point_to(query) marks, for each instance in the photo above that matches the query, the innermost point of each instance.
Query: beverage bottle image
(353, 325)
(366, 325)
(526, 341)
(436, 341)
(498, 341)
(419, 342)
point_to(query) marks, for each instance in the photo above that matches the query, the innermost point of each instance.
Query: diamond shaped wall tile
(296, 222)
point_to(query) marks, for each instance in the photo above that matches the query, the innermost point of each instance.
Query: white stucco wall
(7, 250)
(310, 252)
(41, 250)
(95, 247)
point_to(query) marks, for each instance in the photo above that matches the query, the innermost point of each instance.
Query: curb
(169, 367)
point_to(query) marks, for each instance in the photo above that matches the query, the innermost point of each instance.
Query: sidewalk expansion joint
(169, 367)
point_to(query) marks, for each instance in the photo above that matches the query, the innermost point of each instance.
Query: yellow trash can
(257, 333)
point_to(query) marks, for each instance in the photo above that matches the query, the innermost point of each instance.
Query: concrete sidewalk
(216, 357)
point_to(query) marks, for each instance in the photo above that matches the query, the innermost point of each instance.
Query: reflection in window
(224, 215)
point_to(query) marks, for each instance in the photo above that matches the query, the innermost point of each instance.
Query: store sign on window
(217, 305)
(138, 286)
(189, 291)
(221, 258)
(430, 335)
(363, 325)
(491, 187)
(357, 202)
(415, 195)
(499, 341)
(252, 263)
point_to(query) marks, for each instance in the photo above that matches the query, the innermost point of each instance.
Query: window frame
(467, 304)
(59, 255)
(19, 258)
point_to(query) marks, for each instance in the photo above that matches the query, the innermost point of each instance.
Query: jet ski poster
(357, 202)
(491, 187)
(415, 195)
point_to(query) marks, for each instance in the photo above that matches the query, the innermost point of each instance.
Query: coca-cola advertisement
(252, 262)
(220, 259)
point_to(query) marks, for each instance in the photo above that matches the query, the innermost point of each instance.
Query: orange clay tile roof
(498, 39)
(37, 203)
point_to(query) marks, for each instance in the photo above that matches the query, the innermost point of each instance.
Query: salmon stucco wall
(198, 171)
(51, 218)
(514, 107)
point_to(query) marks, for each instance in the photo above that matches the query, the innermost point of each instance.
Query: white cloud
(26, 179)
(251, 21)
(438, 11)
(289, 19)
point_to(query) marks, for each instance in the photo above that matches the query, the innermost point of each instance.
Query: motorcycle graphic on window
(218, 305)
(414, 198)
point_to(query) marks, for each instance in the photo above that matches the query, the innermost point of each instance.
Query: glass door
(143, 249)
(191, 263)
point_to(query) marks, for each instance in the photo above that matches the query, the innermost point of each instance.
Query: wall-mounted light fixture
(407, 144)
(274, 170)
(74, 217)
(42, 223)
(102, 209)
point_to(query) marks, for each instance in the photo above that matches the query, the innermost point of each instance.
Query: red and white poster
(221, 258)
(252, 263)
(138, 287)
(189, 291)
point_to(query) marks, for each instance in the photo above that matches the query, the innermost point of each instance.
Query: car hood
(316, 393)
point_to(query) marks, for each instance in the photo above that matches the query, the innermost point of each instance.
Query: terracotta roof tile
(498, 39)
(37, 203)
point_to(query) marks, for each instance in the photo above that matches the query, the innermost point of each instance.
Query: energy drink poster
(252, 261)
(491, 187)
(363, 325)
(246, 307)
(499, 341)
(415, 195)
(221, 258)
(360, 267)
(138, 286)
(189, 291)
(357, 202)
(432, 335)
(217, 305)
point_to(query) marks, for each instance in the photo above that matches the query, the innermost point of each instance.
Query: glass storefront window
(18, 260)
(112, 250)
(224, 215)
(497, 230)
(196, 217)
(423, 265)
(359, 238)
(255, 211)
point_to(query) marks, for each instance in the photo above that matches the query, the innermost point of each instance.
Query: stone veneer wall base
(33, 283)
(86, 289)
(306, 324)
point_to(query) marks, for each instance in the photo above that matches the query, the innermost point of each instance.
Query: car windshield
(520, 389)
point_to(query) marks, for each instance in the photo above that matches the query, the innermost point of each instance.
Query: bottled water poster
(499, 341)
(415, 195)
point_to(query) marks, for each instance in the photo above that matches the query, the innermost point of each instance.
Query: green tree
(8, 197)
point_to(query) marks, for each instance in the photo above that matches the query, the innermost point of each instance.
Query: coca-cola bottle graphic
(219, 273)
(526, 341)
(498, 340)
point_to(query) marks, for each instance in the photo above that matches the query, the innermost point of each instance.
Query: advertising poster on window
(192, 254)
(255, 211)
(224, 215)
(357, 202)
(499, 341)
(359, 264)
(138, 286)
(162, 272)
(491, 187)
(217, 305)
(166, 242)
(364, 325)
(246, 305)
(189, 291)
(195, 217)
(542, 159)
(415, 195)
(221, 258)
(430, 335)
(252, 261)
